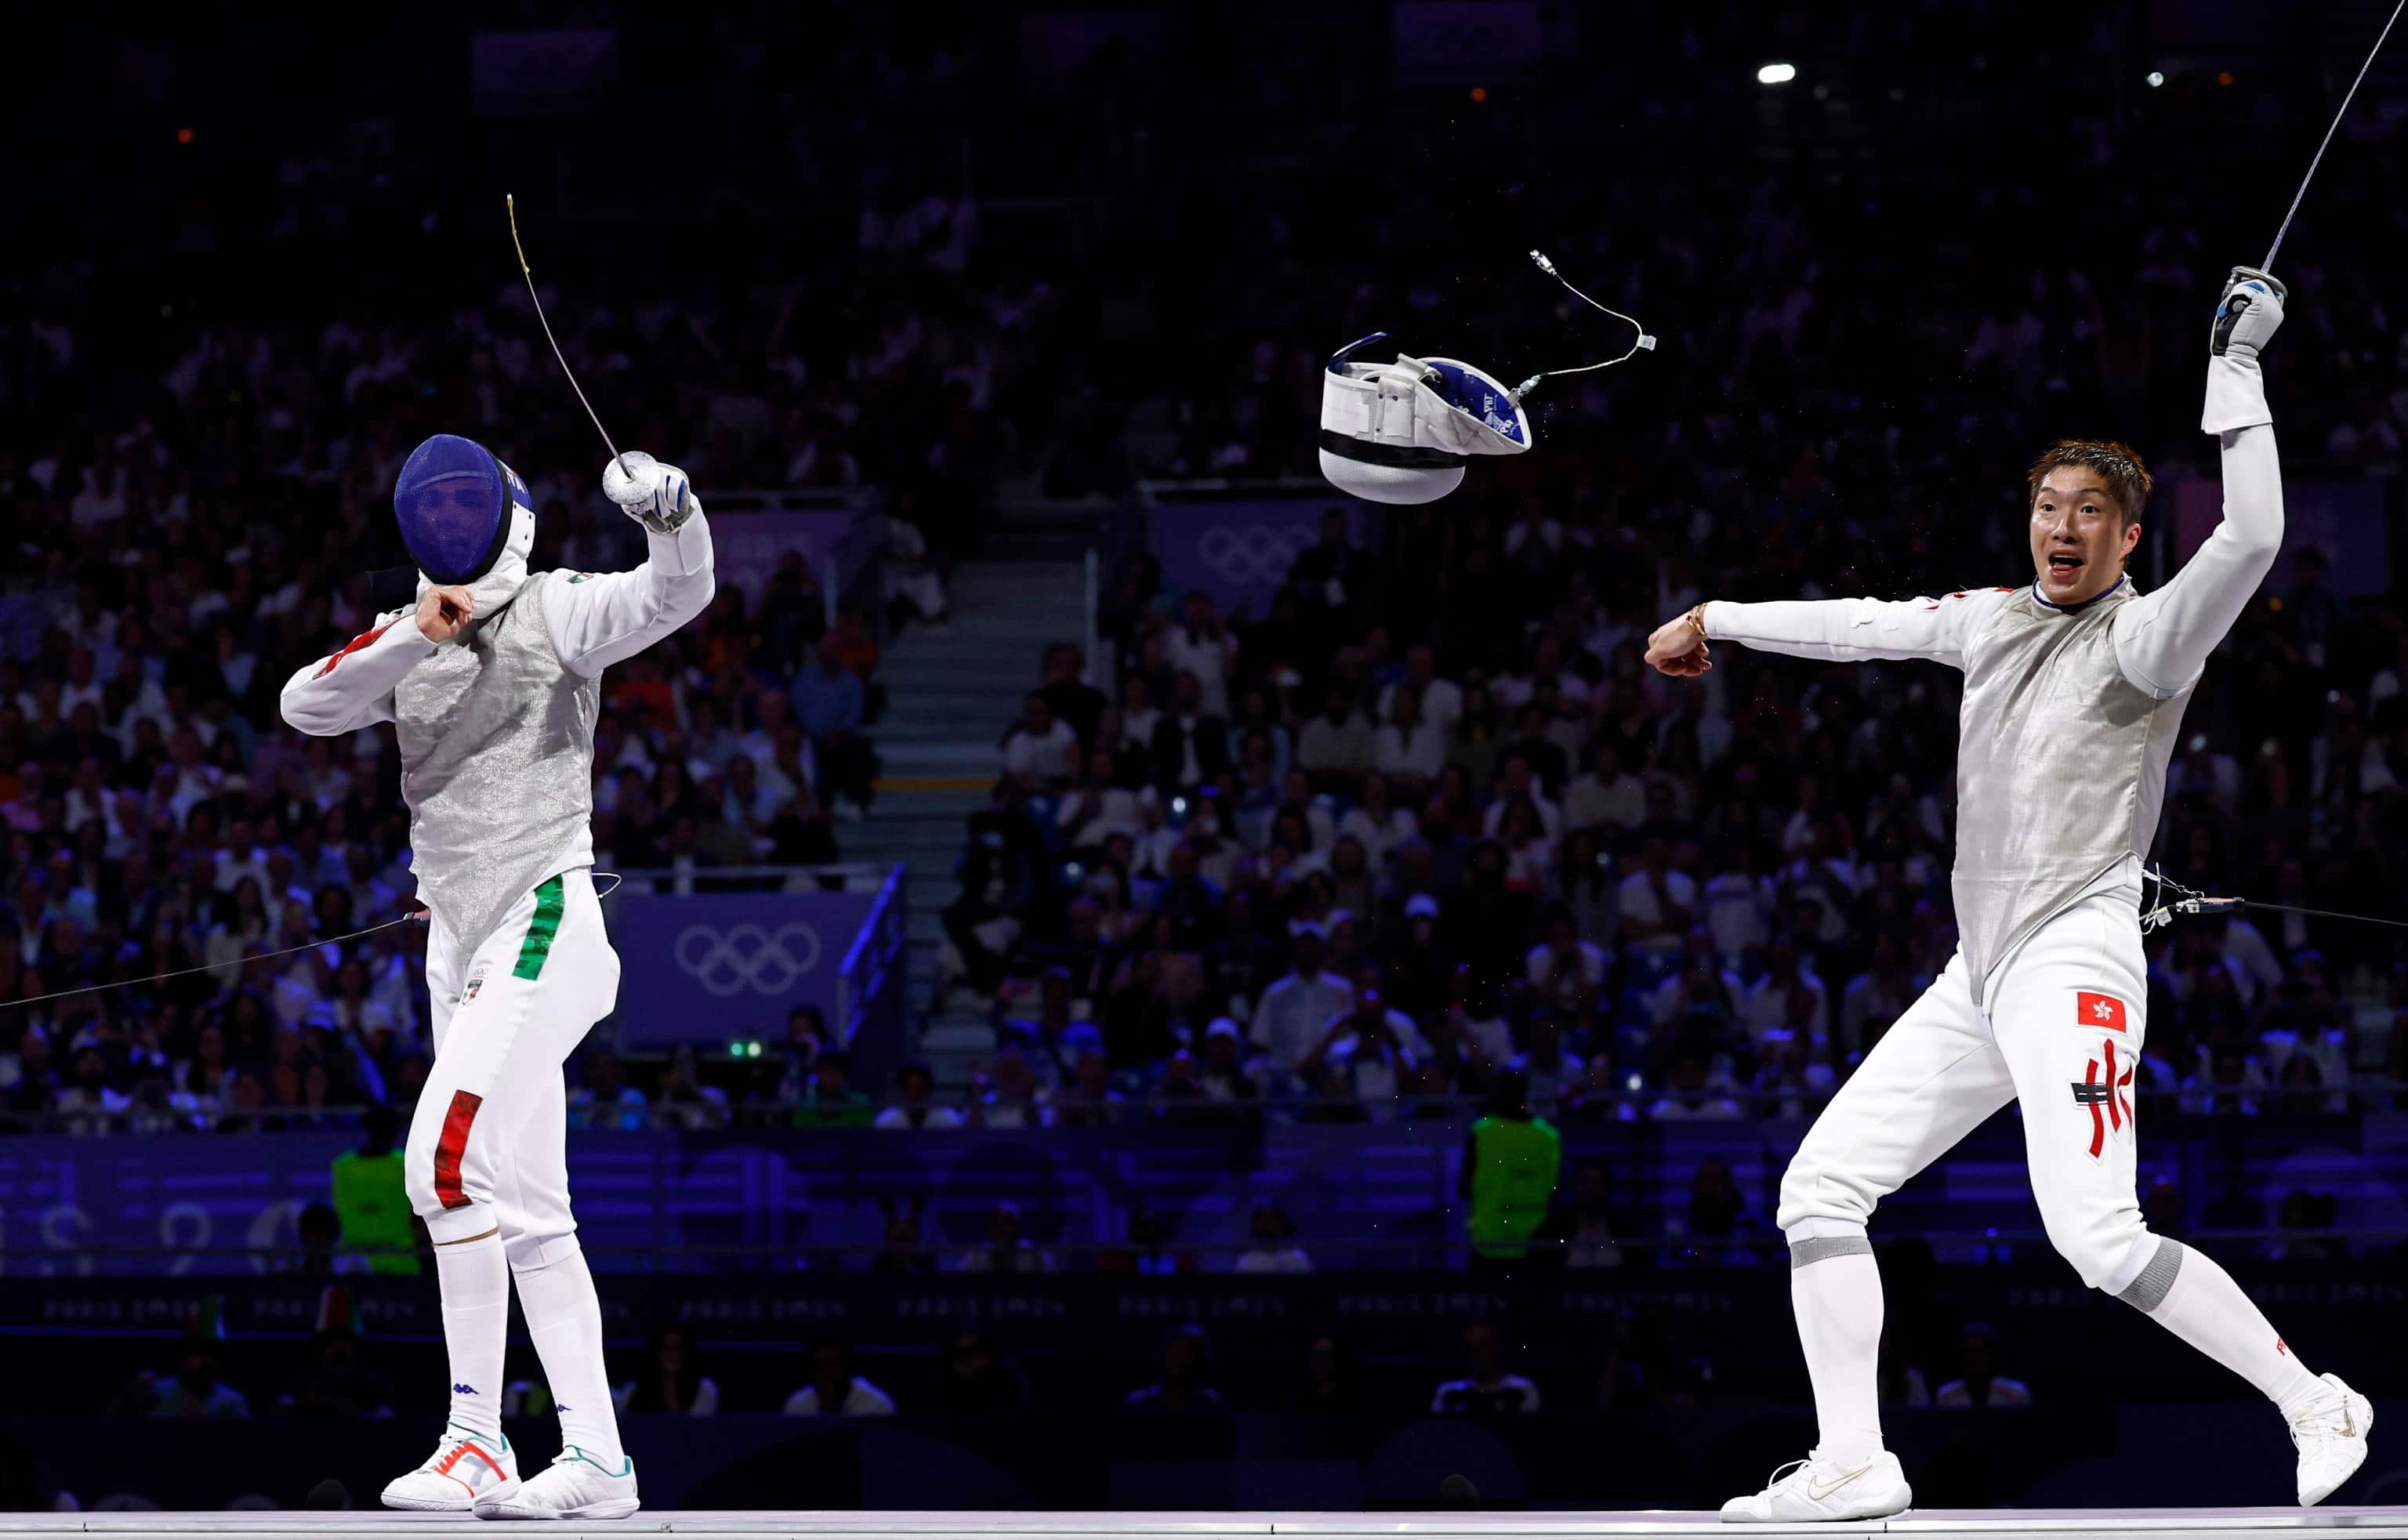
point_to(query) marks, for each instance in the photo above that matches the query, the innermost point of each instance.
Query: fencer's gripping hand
(2247, 315)
(444, 612)
(657, 496)
(1678, 647)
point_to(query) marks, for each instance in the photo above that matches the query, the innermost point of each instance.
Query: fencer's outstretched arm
(1854, 630)
(2163, 639)
(352, 688)
(1832, 630)
(599, 619)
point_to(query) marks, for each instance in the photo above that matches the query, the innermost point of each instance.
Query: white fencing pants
(488, 1147)
(2061, 1033)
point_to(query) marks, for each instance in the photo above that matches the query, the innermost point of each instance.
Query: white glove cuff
(2236, 395)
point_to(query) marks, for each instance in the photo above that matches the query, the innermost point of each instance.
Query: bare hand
(443, 611)
(1678, 648)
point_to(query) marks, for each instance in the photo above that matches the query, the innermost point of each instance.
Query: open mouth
(2064, 564)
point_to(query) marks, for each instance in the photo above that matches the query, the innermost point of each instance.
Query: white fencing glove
(655, 495)
(2245, 318)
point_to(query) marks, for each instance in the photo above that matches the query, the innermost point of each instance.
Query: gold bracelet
(1697, 618)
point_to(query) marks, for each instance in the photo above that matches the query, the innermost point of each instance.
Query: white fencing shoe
(575, 1486)
(465, 1469)
(1808, 1491)
(2330, 1435)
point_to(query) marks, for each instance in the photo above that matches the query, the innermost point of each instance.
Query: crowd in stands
(1367, 851)
(1421, 816)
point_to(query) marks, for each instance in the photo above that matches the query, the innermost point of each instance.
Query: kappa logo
(747, 957)
(464, 1389)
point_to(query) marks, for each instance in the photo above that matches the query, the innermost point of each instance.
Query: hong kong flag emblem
(2098, 1012)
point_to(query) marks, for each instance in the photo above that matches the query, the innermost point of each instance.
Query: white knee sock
(1835, 1289)
(564, 1317)
(2196, 1300)
(476, 1283)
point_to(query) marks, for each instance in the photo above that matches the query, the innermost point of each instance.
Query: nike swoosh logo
(1818, 1491)
(2348, 1421)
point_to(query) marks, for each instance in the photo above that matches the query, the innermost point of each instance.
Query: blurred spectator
(900, 1251)
(1295, 1011)
(828, 709)
(320, 1235)
(1185, 1383)
(337, 1385)
(667, 1380)
(1487, 1389)
(1982, 1385)
(914, 1105)
(194, 1390)
(1329, 1385)
(836, 1390)
(1007, 1250)
(1041, 748)
(976, 1379)
(829, 1100)
(1274, 1248)
(685, 1102)
(606, 1100)
(1582, 1233)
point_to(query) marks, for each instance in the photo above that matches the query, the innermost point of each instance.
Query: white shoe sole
(502, 1493)
(613, 1507)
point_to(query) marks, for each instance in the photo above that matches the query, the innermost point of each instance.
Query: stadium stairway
(951, 695)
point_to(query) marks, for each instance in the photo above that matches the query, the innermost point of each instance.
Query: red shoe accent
(466, 1448)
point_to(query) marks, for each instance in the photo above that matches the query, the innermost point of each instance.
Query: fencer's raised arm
(1832, 630)
(352, 688)
(599, 619)
(2163, 639)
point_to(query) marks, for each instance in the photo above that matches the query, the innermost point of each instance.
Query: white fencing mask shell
(1401, 431)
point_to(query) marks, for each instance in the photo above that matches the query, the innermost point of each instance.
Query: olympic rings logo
(747, 957)
(1253, 553)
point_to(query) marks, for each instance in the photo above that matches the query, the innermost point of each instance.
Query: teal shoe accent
(571, 1452)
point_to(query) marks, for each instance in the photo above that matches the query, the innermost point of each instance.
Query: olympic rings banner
(1240, 551)
(728, 965)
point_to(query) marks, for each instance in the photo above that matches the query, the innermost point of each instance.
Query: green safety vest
(374, 1209)
(1512, 1179)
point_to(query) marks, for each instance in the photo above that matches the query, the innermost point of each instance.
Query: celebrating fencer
(491, 683)
(2074, 689)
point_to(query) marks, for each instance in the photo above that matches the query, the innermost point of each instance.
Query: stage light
(2156, 78)
(1776, 74)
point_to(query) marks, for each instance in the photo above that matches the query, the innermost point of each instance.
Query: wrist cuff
(2236, 395)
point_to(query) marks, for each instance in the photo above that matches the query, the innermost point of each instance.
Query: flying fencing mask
(1402, 431)
(454, 500)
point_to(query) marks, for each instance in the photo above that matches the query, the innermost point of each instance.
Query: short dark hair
(2127, 479)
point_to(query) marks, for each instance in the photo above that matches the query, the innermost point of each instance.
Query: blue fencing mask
(454, 500)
